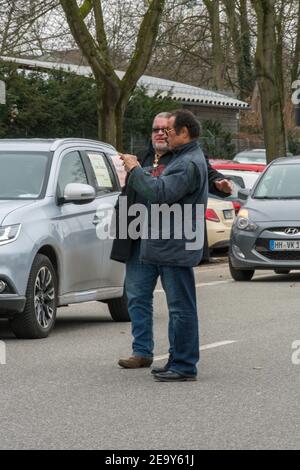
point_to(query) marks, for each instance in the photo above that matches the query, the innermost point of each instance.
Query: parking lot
(67, 392)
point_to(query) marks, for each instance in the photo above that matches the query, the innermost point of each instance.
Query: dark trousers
(179, 286)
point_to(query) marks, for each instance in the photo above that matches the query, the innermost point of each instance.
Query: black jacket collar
(193, 144)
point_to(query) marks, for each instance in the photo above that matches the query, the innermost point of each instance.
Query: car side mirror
(244, 193)
(78, 193)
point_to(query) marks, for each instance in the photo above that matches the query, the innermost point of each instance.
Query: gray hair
(165, 115)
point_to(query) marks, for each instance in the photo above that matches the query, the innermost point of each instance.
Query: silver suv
(52, 193)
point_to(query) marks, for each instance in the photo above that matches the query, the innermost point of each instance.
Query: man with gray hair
(128, 251)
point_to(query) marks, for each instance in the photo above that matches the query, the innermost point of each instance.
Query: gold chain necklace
(156, 160)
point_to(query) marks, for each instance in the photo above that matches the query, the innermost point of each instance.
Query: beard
(162, 148)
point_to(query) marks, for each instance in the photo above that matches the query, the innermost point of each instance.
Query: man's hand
(224, 185)
(129, 161)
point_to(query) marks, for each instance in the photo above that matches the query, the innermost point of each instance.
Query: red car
(223, 165)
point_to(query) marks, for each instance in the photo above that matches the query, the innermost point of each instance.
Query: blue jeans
(179, 286)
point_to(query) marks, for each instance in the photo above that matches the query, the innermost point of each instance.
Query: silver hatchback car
(53, 194)
(266, 233)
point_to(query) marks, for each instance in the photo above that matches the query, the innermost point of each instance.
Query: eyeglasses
(156, 130)
(168, 130)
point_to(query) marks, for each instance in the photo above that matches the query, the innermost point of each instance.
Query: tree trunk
(120, 111)
(268, 72)
(296, 59)
(106, 107)
(279, 52)
(240, 38)
(213, 8)
(249, 78)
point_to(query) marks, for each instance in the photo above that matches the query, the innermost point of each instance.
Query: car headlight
(243, 222)
(9, 233)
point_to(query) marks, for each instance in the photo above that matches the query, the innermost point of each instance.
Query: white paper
(100, 169)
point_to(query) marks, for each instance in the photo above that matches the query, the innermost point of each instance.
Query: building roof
(179, 91)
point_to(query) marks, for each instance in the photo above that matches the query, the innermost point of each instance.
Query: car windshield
(22, 174)
(251, 157)
(279, 182)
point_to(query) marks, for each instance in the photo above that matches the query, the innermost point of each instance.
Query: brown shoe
(135, 362)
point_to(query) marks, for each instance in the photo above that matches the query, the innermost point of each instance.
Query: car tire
(241, 274)
(39, 315)
(282, 271)
(118, 309)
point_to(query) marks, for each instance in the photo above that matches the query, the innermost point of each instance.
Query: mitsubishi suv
(54, 201)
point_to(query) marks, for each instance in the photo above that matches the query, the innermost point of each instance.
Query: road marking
(202, 348)
(201, 284)
(215, 283)
(216, 345)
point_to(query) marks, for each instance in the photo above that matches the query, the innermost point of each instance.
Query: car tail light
(236, 206)
(211, 215)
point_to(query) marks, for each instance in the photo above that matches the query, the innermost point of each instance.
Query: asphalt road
(67, 392)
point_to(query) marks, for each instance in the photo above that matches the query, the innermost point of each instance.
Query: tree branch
(100, 31)
(144, 45)
(86, 8)
(98, 61)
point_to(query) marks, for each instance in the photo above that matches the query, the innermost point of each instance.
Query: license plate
(228, 214)
(284, 245)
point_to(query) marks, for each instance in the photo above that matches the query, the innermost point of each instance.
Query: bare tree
(268, 73)
(248, 72)
(236, 13)
(113, 92)
(213, 8)
(22, 25)
(207, 43)
(296, 58)
(184, 47)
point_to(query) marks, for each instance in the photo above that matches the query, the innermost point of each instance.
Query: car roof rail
(58, 142)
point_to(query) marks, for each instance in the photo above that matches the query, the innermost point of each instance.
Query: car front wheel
(118, 309)
(38, 317)
(240, 274)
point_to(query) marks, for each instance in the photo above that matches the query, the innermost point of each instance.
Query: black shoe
(158, 370)
(170, 376)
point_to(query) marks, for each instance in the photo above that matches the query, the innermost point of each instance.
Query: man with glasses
(141, 277)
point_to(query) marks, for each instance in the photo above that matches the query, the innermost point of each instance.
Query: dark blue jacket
(183, 181)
